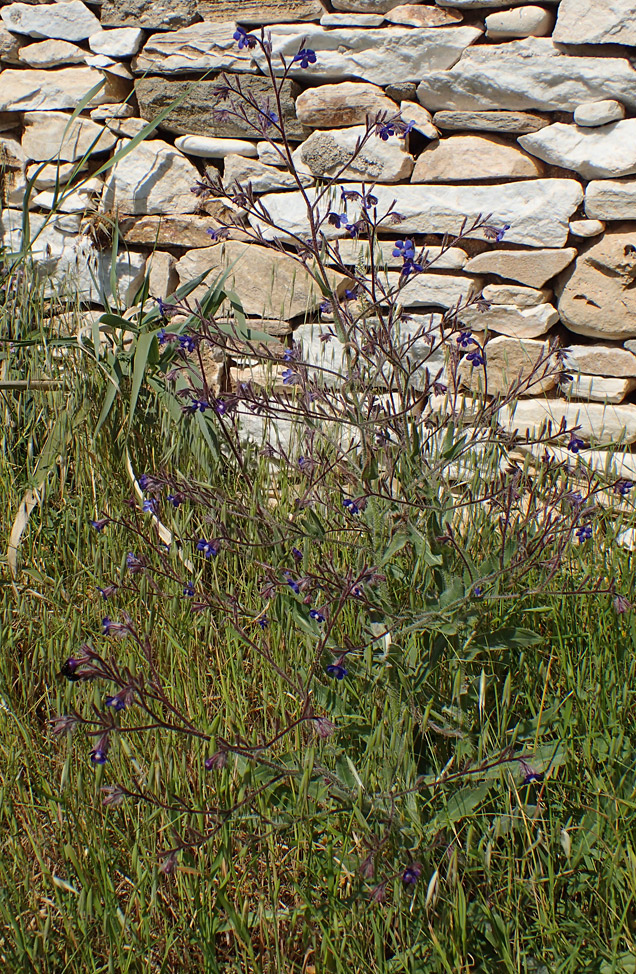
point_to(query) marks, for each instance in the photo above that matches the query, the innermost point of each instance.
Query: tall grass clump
(317, 670)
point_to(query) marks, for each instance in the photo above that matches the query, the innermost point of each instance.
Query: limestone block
(483, 4)
(12, 155)
(118, 42)
(508, 122)
(256, 12)
(163, 279)
(595, 153)
(9, 46)
(267, 282)
(354, 251)
(183, 231)
(51, 135)
(197, 114)
(522, 297)
(416, 15)
(509, 360)
(595, 388)
(434, 290)
(199, 48)
(51, 175)
(604, 360)
(153, 178)
(599, 424)
(239, 171)
(460, 158)
(537, 211)
(383, 56)
(530, 21)
(66, 200)
(534, 268)
(31, 89)
(590, 22)
(367, 6)
(597, 113)
(598, 297)
(530, 73)
(68, 21)
(351, 20)
(347, 103)
(207, 148)
(151, 14)
(51, 54)
(512, 321)
(326, 153)
(421, 118)
(586, 228)
(611, 199)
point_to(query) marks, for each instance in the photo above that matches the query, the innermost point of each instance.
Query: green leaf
(142, 351)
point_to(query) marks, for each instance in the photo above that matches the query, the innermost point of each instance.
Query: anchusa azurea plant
(365, 519)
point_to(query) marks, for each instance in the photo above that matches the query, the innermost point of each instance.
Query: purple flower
(316, 615)
(208, 548)
(187, 343)
(351, 293)
(99, 525)
(385, 130)
(325, 307)
(134, 564)
(121, 700)
(465, 339)
(217, 762)
(269, 118)
(290, 377)
(263, 622)
(623, 487)
(99, 756)
(355, 229)
(529, 775)
(294, 586)
(495, 233)
(149, 506)
(244, 39)
(107, 592)
(297, 554)
(404, 248)
(475, 358)
(411, 874)
(350, 506)
(188, 589)
(336, 670)
(337, 219)
(410, 267)
(288, 355)
(575, 444)
(144, 481)
(110, 628)
(305, 57)
(175, 499)
(218, 233)
(584, 533)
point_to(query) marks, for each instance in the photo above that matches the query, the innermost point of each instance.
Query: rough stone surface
(199, 48)
(351, 20)
(12, 155)
(47, 177)
(483, 4)
(326, 153)
(597, 113)
(598, 424)
(421, 118)
(598, 297)
(51, 54)
(434, 290)
(9, 46)
(51, 135)
(267, 282)
(348, 103)
(593, 152)
(153, 178)
(591, 22)
(534, 268)
(366, 6)
(163, 279)
(601, 360)
(537, 211)
(352, 251)
(195, 115)
(509, 360)
(128, 127)
(383, 56)
(527, 21)
(508, 122)
(611, 199)
(168, 230)
(531, 73)
(240, 171)
(415, 15)
(631, 346)
(199, 145)
(119, 42)
(30, 89)
(460, 158)
(68, 200)
(511, 320)
(257, 12)
(586, 228)
(69, 21)
(151, 14)
(522, 297)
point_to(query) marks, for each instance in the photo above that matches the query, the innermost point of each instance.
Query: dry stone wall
(526, 112)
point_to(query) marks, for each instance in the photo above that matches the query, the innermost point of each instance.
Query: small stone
(601, 360)
(106, 112)
(50, 176)
(511, 320)
(413, 15)
(153, 178)
(528, 21)
(163, 279)
(593, 152)
(12, 155)
(597, 423)
(461, 158)
(29, 89)
(198, 145)
(326, 153)
(598, 113)
(151, 14)
(348, 103)
(586, 228)
(631, 346)
(421, 118)
(9, 46)
(239, 171)
(402, 91)
(128, 127)
(508, 122)
(482, 4)
(49, 135)
(351, 20)
(598, 298)
(596, 388)
(611, 199)
(196, 111)
(268, 283)
(269, 155)
(258, 12)
(366, 6)
(51, 54)
(119, 42)
(590, 22)
(508, 361)
(534, 268)
(522, 297)
(69, 21)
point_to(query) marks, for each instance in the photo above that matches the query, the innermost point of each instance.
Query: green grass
(516, 878)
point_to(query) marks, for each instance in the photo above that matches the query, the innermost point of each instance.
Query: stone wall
(525, 112)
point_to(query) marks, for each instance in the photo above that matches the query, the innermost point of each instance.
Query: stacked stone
(522, 112)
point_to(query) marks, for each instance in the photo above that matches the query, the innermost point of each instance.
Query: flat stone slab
(611, 199)
(531, 73)
(591, 22)
(601, 360)
(511, 320)
(537, 211)
(30, 89)
(68, 21)
(594, 153)
(507, 361)
(51, 135)
(598, 424)
(327, 152)
(150, 14)
(534, 268)
(207, 148)
(508, 122)
(199, 48)
(598, 297)
(461, 158)
(51, 54)
(347, 103)
(256, 12)
(153, 178)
